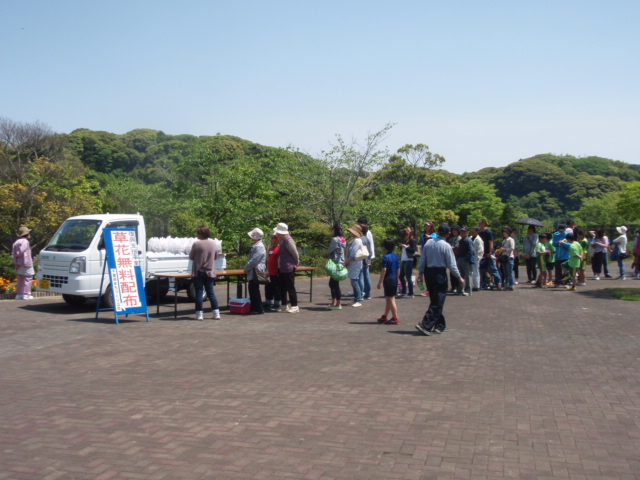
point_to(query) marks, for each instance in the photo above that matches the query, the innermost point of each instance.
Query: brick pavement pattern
(530, 384)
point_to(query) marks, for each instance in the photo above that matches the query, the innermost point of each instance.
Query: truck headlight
(78, 265)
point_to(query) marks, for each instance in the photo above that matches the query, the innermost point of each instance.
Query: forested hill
(147, 154)
(555, 184)
(544, 186)
(179, 182)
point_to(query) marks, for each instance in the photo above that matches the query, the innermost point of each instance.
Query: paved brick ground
(528, 384)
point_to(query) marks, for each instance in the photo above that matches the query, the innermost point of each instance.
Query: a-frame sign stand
(125, 272)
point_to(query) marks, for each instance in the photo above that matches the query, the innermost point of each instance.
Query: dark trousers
(558, 269)
(597, 262)
(334, 286)
(532, 273)
(516, 264)
(255, 297)
(406, 271)
(288, 287)
(436, 278)
(272, 289)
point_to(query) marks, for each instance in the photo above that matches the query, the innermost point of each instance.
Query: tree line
(179, 182)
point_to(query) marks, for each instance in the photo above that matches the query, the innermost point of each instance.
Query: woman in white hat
(21, 253)
(257, 261)
(621, 244)
(288, 261)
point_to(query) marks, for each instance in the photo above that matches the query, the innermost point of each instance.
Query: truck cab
(72, 263)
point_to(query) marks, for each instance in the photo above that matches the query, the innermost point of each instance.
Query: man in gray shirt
(437, 256)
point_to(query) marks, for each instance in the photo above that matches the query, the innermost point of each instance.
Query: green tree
(337, 181)
(39, 186)
(628, 204)
(472, 201)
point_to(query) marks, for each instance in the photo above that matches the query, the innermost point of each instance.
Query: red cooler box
(240, 305)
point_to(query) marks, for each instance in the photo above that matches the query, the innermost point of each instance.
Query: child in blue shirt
(389, 278)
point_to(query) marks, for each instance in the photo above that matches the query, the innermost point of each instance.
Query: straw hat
(22, 231)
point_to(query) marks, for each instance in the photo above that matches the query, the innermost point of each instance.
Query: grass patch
(629, 294)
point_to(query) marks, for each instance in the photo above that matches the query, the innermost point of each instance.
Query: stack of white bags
(175, 246)
(166, 247)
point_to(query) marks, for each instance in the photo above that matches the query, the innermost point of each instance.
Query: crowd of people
(474, 259)
(449, 260)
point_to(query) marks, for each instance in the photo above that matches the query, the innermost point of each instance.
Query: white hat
(569, 231)
(281, 229)
(256, 234)
(621, 230)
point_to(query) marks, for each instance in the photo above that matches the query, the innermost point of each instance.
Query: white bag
(362, 253)
(26, 271)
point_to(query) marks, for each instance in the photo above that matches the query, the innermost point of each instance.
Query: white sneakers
(289, 309)
(216, 314)
(356, 304)
(199, 315)
(24, 297)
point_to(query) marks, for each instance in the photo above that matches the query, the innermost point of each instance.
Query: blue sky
(483, 83)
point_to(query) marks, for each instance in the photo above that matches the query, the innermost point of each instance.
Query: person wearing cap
(203, 271)
(256, 262)
(272, 289)
(288, 261)
(437, 256)
(506, 258)
(465, 259)
(23, 261)
(621, 244)
(367, 241)
(354, 266)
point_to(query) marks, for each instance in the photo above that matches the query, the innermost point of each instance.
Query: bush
(7, 268)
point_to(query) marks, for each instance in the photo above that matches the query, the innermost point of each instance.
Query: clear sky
(483, 83)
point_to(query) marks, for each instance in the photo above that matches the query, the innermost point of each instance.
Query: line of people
(276, 271)
(479, 263)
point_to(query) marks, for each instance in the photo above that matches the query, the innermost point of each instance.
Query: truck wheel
(74, 299)
(107, 298)
(152, 288)
(191, 292)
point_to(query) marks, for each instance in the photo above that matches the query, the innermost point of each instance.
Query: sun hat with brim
(356, 231)
(621, 230)
(22, 231)
(281, 229)
(256, 234)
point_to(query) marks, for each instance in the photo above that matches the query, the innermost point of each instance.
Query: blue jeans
(203, 282)
(406, 269)
(357, 289)
(621, 265)
(493, 270)
(507, 270)
(365, 281)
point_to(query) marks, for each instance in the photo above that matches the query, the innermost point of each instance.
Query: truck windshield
(74, 236)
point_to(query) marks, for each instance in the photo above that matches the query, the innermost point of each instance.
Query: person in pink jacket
(21, 253)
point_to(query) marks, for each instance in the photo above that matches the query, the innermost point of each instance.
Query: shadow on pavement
(599, 294)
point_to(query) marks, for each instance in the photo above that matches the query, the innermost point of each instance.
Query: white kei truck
(72, 264)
